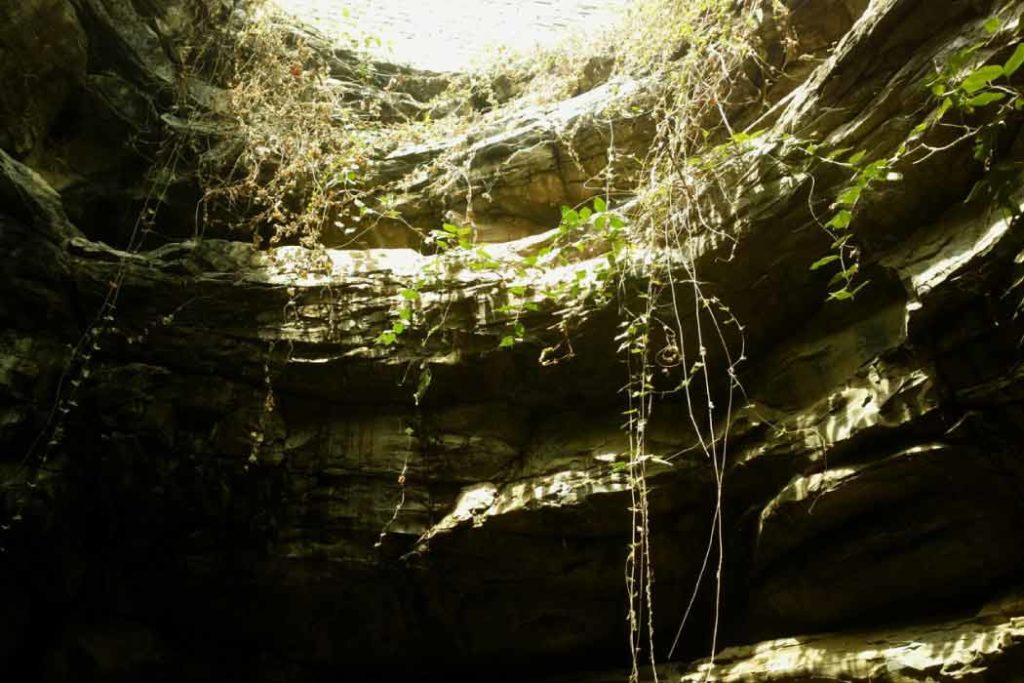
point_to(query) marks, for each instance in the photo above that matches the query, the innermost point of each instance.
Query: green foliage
(595, 231)
(451, 236)
(957, 86)
(1015, 62)
(968, 89)
(843, 286)
(979, 87)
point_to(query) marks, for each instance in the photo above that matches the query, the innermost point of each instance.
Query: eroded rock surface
(188, 528)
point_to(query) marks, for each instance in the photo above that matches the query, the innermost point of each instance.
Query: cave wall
(181, 528)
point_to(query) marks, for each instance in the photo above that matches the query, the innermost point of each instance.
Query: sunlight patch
(449, 35)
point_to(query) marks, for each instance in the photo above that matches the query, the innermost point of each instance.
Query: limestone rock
(42, 58)
(246, 488)
(985, 647)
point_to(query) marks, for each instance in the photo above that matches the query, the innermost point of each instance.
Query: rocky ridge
(873, 491)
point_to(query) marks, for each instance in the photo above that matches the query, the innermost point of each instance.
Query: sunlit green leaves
(850, 196)
(1015, 62)
(986, 98)
(857, 157)
(593, 229)
(387, 338)
(845, 294)
(979, 78)
(515, 335)
(841, 220)
(822, 262)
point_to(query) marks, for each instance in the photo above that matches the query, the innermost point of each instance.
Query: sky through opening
(449, 35)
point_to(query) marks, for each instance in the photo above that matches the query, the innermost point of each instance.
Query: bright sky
(451, 34)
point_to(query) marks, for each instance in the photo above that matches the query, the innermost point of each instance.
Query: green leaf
(993, 25)
(857, 158)
(919, 129)
(836, 153)
(946, 105)
(453, 229)
(410, 294)
(844, 275)
(600, 205)
(1015, 61)
(507, 342)
(980, 78)
(822, 262)
(845, 294)
(840, 295)
(982, 149)
(850, 196)
(873, 171)
(985, 98)
(841, 220)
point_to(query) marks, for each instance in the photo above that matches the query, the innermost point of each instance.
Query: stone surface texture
(873, 506)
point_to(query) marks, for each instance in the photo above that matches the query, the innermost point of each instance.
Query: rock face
(986, 647)
(243, 488)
